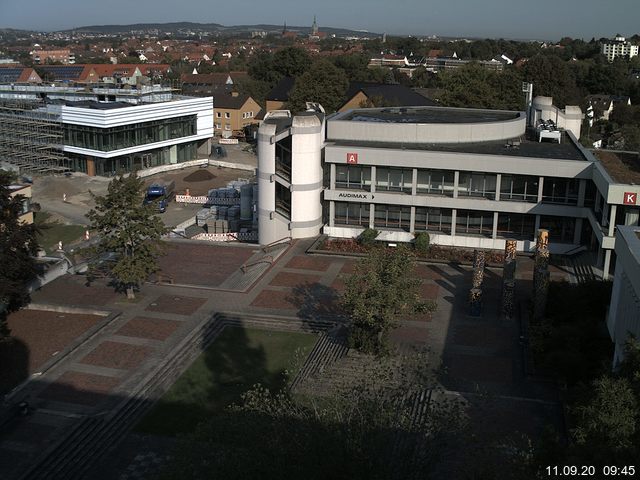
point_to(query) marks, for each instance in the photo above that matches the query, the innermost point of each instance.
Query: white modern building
(624, 312)
(102, 130)
(104, 138)
(471, 178)
(619, 47)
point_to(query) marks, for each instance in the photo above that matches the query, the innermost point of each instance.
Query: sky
(518, 19)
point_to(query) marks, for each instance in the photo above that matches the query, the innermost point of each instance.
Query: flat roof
(622, 167)
(426, 115)
(566, 150)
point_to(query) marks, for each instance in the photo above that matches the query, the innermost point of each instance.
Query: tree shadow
(316, 301)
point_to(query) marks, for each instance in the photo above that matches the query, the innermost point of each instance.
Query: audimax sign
(358, 196)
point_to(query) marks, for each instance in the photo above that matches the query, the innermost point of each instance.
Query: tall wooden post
(478, 269)
(508, 279)
(541, 275)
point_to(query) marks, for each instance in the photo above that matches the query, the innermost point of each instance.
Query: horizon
(547, 21)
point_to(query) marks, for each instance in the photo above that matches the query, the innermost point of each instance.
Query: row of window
(218, 126)
(228, 114)
(468, 222)
(520, 188)
(116, 138)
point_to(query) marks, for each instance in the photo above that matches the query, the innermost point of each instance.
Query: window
(392, 216)
(435, 182)
(560, 190)
(394, 179)
(473, 184)
(519, 188)
(353, 177)
(473, 222)
(250, 114)
(283, 200)
(433, 220)
(517, 226)
(218, 115)
(244, 115)
(227, 127)
(218, 126)
(227, 115)
(561, 229)
(352, 214)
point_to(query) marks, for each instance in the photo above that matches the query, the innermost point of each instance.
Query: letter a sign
(352, 158)
(630, 198)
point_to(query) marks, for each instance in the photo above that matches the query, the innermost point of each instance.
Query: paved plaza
(481, 358)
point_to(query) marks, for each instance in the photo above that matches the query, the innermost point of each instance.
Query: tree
(366, 430)
(323, 83)
(291, 61)
(18, 247)
(383, 287)
(128, 229)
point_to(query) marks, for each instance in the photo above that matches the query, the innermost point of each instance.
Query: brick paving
(289, 279)
(146, 327)
(201, 263)
(176, 304)
(474, 351)
(306, 262)
(45, 333)
(74, 290)
(117, 355)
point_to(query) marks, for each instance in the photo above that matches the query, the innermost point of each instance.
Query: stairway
(582, 267)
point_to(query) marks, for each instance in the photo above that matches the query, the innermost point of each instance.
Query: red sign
(630, 198)
(352, 158)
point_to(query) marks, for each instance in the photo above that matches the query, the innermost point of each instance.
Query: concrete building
(63, 55)
(624, 312)
(471, 178)
(618, 47)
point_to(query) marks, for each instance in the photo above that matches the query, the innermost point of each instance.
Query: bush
(368, 237)
(422, 243)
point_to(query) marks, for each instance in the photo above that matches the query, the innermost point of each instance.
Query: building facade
(618, 47)
(471, 178)
(624, 313)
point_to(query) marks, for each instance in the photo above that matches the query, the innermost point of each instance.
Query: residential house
(361, 94)
(233, 112)
(603, 104)
(279, 95)
(26, 214)
(18, 74)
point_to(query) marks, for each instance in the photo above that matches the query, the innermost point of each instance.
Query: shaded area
(315, 300)
(38, 335)
(152, 328)
(238, 359)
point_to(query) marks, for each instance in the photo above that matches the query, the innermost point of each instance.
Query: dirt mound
(199, 176)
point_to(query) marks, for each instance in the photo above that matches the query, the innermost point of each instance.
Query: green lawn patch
(52, 232)
(238, 359)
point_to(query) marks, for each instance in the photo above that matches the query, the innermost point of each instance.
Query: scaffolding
(31, 138)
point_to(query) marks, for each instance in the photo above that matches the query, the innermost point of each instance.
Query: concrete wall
(624, 311)
(570, 118)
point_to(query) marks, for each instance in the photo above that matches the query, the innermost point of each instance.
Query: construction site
(31, 138)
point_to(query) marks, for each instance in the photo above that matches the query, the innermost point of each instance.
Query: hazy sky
(531, 19)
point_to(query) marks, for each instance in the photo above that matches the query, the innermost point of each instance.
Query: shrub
(422, 243)
(368, 237)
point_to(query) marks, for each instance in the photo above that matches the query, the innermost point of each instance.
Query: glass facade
(182, 152)
(471, 184)
(560, 190)
(519, 188)
(133, 135)
(435, 182)
(394, 179)
(516, 226)
(474, 222)
(433, 220)
(392, 216)
(353, 177)
(561, 229)
(352, 214)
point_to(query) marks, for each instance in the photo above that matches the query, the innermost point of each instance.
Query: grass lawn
(238, 359)
(53, 232)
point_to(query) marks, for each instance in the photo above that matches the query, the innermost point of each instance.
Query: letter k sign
(630, 198)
